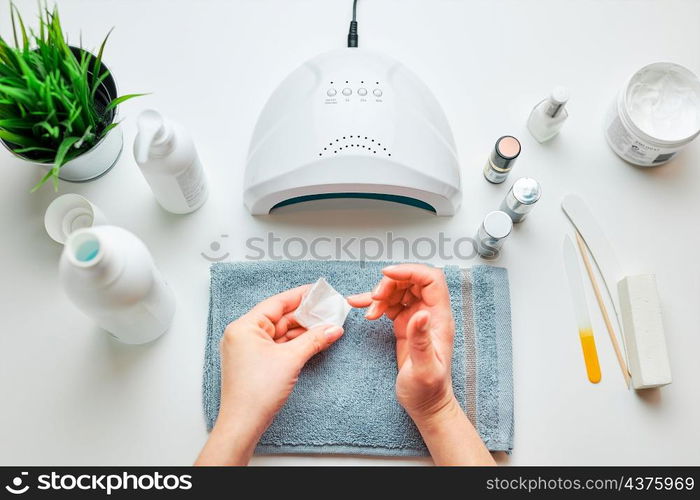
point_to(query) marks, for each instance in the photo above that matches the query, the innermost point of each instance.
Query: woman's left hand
(262, 354)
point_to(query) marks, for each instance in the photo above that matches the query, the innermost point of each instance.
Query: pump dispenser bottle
(547, 118)
(167, 157)
(109, 274)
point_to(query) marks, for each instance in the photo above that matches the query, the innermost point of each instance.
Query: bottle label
(494, 174)
(193, 184)
(635, 150)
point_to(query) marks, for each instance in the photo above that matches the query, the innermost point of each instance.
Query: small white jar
(655, 115)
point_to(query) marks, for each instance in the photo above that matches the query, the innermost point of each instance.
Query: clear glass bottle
(547, 118)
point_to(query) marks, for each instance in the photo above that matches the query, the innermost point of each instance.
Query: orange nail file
(573, 271)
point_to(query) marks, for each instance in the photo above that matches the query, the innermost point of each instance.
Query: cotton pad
(322, 305)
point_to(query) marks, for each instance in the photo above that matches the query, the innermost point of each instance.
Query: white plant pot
(95, 162)
(89, 165)
(101, 157)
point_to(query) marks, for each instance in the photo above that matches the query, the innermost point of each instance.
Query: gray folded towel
(344, 401)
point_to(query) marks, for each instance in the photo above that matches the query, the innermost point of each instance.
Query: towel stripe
(486, 371)
(469, 345)
(503, 434)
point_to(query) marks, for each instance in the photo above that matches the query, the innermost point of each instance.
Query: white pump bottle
(109, 274)
(168, 160)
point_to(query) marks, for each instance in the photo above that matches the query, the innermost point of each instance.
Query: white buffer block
(644, 331)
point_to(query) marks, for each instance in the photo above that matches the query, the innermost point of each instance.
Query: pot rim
(115, 115)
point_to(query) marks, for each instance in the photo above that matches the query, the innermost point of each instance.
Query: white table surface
(70, 395)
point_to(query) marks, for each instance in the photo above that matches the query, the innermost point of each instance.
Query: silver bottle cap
(527, 190)
(490, 236)
(497, 225)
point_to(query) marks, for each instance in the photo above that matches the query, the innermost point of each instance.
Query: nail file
(581, 217)
(603, 310)
(585, 331)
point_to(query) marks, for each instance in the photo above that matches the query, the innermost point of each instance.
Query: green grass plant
(53, 102)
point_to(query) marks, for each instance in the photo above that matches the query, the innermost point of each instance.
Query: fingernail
(424, 322)
(333, 331)
(372, 309)
(390, 268)
(423, 325)
(377, 289)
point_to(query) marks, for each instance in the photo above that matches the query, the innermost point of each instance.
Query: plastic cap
(68, 213)
(498, 224)
(151, 130)
(559, 95)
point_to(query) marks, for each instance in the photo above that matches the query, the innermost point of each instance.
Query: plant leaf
(34, 149)
(109, 127)
(98, 60)
(14, 12)
(62, 151)
(116, 102)
(16, 138)
(17, 123)
(96, 84)
(59, 161)
(16, 94)
(84, 138)
(51, 130)
(46, 177)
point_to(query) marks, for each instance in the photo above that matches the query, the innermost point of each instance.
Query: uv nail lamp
(352, 124)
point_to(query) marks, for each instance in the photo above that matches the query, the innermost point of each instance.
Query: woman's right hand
(417, 299)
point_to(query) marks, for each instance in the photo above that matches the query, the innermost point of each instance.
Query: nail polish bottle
(491, 234)
(521, 198)
(502, 159)
(547, 118)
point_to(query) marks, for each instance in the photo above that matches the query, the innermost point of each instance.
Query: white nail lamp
(352, 123)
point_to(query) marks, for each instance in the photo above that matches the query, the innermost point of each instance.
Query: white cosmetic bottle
(168, 160)
(109, 274)
(547, 118)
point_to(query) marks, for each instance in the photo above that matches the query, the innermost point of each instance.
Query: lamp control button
(331, 92)
(378, 92)
(362, 91)
(347, 91)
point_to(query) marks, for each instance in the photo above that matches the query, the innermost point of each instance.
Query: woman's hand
(417, 299)
(262, 354)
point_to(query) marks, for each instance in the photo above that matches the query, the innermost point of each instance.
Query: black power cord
(352, 34)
